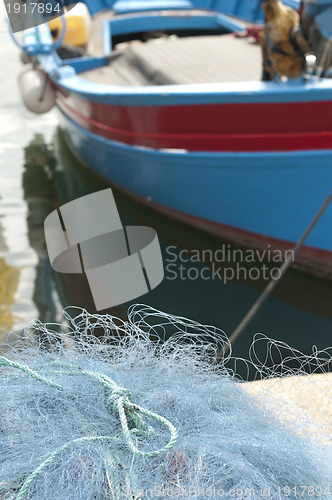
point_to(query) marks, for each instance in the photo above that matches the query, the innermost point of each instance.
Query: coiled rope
(118, 402)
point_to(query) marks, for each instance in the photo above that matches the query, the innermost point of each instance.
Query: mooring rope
(274, 282)
(118, 401)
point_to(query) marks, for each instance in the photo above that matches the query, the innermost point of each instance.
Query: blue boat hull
(254, 199)
(249, 161)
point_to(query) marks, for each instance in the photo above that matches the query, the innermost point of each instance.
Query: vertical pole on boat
(273, 283)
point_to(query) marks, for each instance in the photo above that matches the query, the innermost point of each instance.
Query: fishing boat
(167, 104)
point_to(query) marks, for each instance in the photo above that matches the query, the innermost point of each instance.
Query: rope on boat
(119, 402)
(327, 48)
(274, 282)
(56, 45)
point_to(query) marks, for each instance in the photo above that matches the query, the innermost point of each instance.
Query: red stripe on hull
(219, 127)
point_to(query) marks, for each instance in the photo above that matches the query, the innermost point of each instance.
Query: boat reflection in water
(48, 184)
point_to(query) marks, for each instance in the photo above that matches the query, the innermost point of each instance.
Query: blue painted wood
(324, 21)
(319, 2)
(30, 42)
(312, 90)
(248, 10)
(151, 22)
(230, 24)
(107, 37)
(292, 3)
(95, 6)
(210, 185)
(45, 39)
(126, 6)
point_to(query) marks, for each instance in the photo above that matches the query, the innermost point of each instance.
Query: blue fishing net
(143, 411)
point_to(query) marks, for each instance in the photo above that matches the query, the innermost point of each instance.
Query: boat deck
(171, 61)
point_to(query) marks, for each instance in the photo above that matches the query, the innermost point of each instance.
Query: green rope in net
(119, 402)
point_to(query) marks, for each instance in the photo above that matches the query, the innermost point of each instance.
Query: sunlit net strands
(143, 410)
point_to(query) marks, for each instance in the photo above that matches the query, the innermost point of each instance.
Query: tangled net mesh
(102, 408)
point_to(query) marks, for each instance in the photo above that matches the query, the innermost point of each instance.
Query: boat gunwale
(192, 94)
(64, 75)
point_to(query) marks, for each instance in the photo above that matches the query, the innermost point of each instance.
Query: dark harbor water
(38, 173)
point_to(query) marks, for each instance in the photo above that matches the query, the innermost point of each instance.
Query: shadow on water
(299, 312)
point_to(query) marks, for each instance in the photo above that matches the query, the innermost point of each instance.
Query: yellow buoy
(78, 23)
